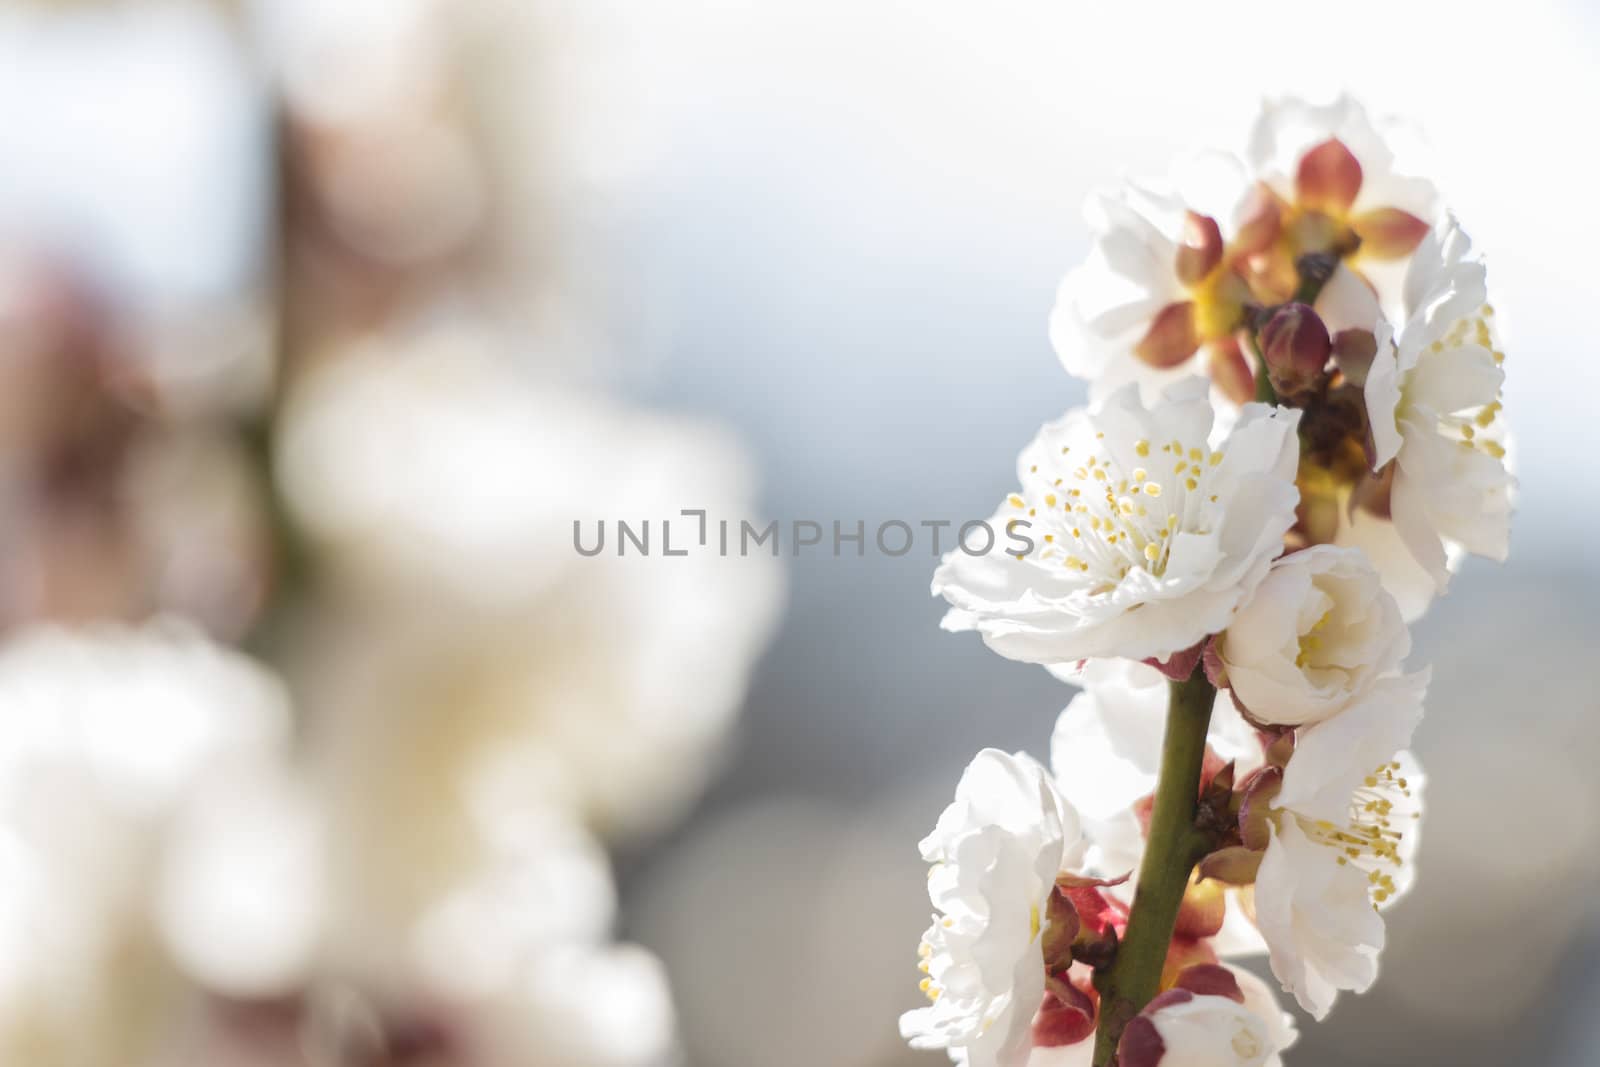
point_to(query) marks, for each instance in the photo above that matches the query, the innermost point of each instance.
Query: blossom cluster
(1294, 435)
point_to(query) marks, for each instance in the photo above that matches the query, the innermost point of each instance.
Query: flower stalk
(1175, 845)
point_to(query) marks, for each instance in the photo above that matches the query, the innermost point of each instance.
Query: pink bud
(1295, 345)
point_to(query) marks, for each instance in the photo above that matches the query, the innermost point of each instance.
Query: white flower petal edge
(995, 852)
(1315, 636)
(1433, 398)
(1145, 538)
(1343, 833)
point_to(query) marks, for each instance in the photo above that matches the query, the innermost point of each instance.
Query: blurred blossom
(109, 737)
(442, 490)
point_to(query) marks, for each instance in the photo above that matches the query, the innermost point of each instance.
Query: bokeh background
(322, 320)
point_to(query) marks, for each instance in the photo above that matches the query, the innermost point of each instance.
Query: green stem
(1173, 848)
(1265, 393)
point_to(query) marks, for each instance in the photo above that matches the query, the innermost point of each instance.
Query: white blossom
(1342, 836)
(996, 852)
(112, 739)
(1433, 400)
(1146, 535)
(1155, 291)
(441, 488)
(1317, 633)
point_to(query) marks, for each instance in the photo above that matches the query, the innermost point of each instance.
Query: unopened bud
(1295, 345)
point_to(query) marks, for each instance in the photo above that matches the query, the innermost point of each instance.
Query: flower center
(1371, 835)
(1106, 518)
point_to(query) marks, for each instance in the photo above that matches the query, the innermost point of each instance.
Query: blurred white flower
(445, 491)
(1314, 637)
(1433, 399)
(585, 1007)
(996, 852)
(1145, 538)
(109, 739)
(1341, 836)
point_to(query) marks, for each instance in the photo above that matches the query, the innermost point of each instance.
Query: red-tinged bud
(1066, 1016)
(1295, 345)
(1201, 249)
(1172, 337)
(1202, 909)
(1353, 353)
(1389, 233)
(1211, 660)
(1255, 809)
(1262, 219)
(1329, 178)
(1210, 980)
(1061, 931)
(1141, 1044)
(1234, 865)
(1228, 367)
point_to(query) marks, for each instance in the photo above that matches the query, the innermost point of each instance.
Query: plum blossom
(1159, 298)
(1319, 631)
(1433, 398)
(996, 852)
(1341, 837)
(1147, 535)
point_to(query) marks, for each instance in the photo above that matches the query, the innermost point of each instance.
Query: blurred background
(320, 322)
